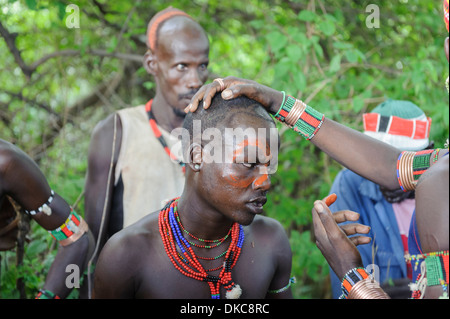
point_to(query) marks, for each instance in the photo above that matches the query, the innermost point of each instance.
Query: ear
(195, 157)
(150, 62)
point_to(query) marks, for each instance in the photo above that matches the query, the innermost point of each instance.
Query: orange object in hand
(330, 199)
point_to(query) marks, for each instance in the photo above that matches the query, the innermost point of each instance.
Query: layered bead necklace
(187, 262)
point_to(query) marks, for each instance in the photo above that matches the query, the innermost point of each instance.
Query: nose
(262, 182)
(195, 80)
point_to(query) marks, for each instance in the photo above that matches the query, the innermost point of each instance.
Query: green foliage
(319, 50)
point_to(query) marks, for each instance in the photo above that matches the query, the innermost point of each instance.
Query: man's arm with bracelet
(23, 181)
(368, 157)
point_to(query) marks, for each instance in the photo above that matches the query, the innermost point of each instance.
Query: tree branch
(123, 56)
(28, 70)
(10, 39)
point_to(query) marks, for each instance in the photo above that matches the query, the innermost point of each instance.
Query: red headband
(156, 21)
(393, 125)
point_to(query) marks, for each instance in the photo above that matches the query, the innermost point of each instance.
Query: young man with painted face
(220, 193)
(212, 242)
(130, 172)
(22, 183)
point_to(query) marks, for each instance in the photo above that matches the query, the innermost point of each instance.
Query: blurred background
(60, 76)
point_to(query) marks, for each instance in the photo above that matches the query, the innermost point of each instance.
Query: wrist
(277, 101)
(351, 278)
(302, 118)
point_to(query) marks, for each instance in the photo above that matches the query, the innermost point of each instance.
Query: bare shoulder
(435, 180)
(106, 135)
(270, 231)
(7, 153)
(118, 271)
(432, 207)
(10, 153)
(126, 246)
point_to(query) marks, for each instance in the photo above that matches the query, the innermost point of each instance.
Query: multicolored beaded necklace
(158, 134)
(187, 262)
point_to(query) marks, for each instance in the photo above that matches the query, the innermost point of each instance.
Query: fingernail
(227, 94)
(318, 207)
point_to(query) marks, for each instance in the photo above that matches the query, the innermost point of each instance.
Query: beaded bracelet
(279, 291)
(46, 294)
(421, 163)
(350, 279)
(71, 230)
(367, 289)
(278, 116)
(435, 155)
(302, 118)
(412, 165)
(44, 208)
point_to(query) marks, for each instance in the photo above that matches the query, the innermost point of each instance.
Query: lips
(256, 204)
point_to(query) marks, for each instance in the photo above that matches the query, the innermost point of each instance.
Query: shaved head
(169, 22)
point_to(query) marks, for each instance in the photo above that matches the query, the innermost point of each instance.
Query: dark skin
(22, 180)
(367, 157)
(208, 207)
(179, 66)
(215, 196)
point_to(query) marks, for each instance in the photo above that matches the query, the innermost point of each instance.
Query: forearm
(68, 266)
(361, 154)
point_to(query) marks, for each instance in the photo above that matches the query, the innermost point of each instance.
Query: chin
(179, 112)
(244, 218)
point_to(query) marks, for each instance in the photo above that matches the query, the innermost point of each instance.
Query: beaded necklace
(216, 242)
(187, 262)
(158, 134)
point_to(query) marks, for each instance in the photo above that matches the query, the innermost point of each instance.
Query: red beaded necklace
(187, 262)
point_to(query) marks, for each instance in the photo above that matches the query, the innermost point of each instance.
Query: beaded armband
(351, 278)
(73, 228)
(46, 294)
(434, 272)
(302, 118)
(44, 208)
(279, 291)
(411, 165)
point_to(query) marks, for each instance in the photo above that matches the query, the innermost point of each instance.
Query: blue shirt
(386, 250)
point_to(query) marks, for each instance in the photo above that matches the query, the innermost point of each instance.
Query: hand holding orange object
(338, 249)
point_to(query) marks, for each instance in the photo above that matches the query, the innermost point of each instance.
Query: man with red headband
(131, 168)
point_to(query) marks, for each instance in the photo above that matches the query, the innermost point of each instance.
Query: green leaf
(306, 15)
(358, 103)
(294, 53)
(31, 4)
(335, 64)
(351, 56)
(327, 27)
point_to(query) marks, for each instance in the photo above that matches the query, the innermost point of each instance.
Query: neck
(200, 218)
(165, 114)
